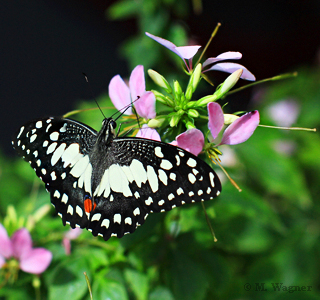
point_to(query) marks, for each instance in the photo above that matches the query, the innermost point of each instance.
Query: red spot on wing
(88, 206)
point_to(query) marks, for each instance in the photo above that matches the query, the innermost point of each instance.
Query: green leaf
(190, 218)
(138, 283)
(122, 10)
(247, 204)
(254, 238)
(106, 287)
(245, 221)
(161, 293)
(17, 293)
(189, 280)
(97, 258)
(279, 174)
(67, 280)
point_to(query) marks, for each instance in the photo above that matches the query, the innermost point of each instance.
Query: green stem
(89, 285)
(207, 45)
(38, 295)
(68, 114)
(289, 128)
(208, 222)
(278, 77)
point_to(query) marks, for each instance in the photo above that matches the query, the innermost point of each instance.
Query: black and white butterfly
(109, 184)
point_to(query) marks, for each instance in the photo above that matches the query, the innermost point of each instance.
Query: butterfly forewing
(110, 185)
(52, 146)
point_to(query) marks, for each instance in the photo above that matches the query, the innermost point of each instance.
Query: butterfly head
(108, 130)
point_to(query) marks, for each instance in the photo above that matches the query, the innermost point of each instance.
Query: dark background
(46, 45)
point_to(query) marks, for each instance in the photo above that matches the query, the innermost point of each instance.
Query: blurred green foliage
(268, 233)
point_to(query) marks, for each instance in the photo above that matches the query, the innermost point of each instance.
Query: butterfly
(109, 184)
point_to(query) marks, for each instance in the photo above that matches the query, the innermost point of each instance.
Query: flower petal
(231, 67)
(230, 55)
(2, 261)
(222, 56)
(146, 106)
(73, 233)
(119, 94)
(66, 243)
(187, 52)
(241, 129)
(216, 118)
(171, 46)
(36, 261)
(5, 242)
(191, 140)
(148, 133)
(174, 143)
(137, 84)
(21, 242)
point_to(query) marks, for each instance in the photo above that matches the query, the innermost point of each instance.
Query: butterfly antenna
(123, 110)
(137, 117)
(135, 111)
(86, 78)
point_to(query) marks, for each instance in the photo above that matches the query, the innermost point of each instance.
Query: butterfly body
(110, 184)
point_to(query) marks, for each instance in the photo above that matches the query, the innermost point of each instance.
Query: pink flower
(217, 63)
(71, 234)
(285, 112)
(239, 130)
(191, 140)
(123, 96)
(148, 133)
(31, 260)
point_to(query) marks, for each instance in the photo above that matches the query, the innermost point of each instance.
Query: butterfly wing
(109, 186)
(53, 146)
(146, 176)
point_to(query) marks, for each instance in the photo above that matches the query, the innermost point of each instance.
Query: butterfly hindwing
(146, 176)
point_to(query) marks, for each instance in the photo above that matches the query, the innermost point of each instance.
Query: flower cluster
(185, 110)
(19, 247)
